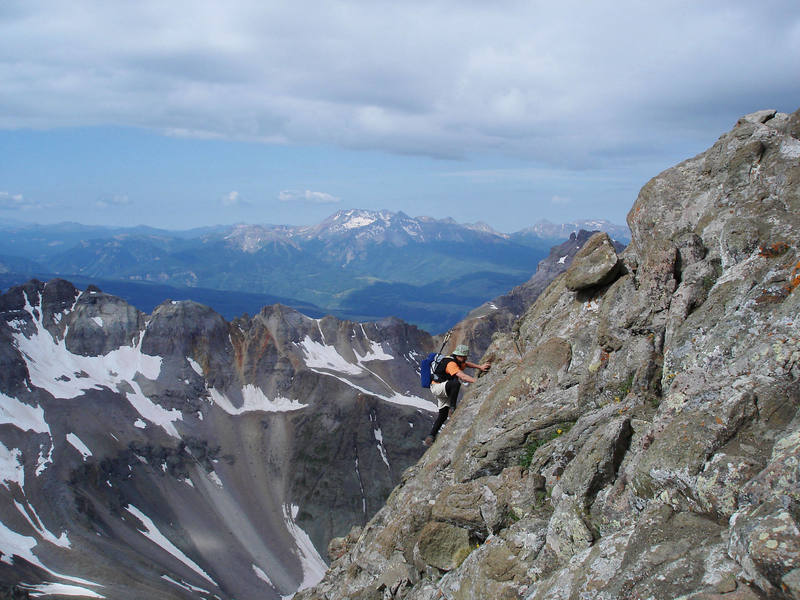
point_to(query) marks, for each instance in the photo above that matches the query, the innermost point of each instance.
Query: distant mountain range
(356, 264)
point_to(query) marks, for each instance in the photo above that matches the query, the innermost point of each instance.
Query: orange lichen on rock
(773, 250)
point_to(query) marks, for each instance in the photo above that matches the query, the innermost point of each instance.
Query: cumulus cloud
(570, 83)
(9, 201)
(307, 196)
(233, 198)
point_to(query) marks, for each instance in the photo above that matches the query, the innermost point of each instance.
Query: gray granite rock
(657, 414)
(595, 264)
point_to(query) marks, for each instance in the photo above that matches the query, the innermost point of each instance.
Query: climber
(447, 378)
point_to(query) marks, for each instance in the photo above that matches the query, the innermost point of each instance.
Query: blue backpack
(428, 364)
(426, 368)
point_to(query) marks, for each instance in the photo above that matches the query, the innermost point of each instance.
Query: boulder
(442, 545)
(594, 265)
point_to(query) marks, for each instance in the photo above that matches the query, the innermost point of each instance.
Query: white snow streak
(23, 416)
(13, 543)
(321, 356)
(65, 375)
(379, 437)
(263, 576)
(375, 352)
(61, 541)
(59, 589)
(254, 400)
(194, 364)
(395, 398)
(186, 586)
(79, 445)
(98, 321)
(155, 536)
(562, 259)
(12, 467)
(356, 222)
(313, 566)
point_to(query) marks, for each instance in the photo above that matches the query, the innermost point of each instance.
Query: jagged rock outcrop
(643, 442)
(501, 313)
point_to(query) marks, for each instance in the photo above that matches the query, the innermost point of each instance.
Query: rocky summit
(638, 435)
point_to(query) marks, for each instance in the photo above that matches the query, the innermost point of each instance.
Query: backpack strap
(441, 370)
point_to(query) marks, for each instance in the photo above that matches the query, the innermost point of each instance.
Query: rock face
(177, 455)
(643, 442)
(501, 313)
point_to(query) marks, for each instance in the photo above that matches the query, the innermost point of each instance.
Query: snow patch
(154, 535)
(320, 356)
(98, 321)
(22, 546)
(357, 221)
(313, 566)
(195, 366)
(379, 438)
(79, 445)
(61, 541)
(139, 423)
(375, 352)
(394, 398)
(254, 400)
(562, 259)
(263, 576)
(60, 589)
(23, 416)
(186, 586)
(12, 467)
(50, 365)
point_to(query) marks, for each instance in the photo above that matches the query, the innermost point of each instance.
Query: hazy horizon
(190, 114)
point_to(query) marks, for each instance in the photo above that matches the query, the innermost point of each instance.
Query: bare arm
(468, 378)
(484, 367)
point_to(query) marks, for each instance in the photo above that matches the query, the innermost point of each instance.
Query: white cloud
(571, 83)
(233, 199)
(307, 196)
(9, 201)
(112, 201)
(561, 200)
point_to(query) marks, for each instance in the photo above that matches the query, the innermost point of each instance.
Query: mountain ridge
(139, 410)
(356, 263)
(637, 435)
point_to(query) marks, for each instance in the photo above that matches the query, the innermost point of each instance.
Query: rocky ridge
(637, 436)
(501, 314)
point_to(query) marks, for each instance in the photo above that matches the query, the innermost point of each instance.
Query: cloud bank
(307, 196)
(571, 84)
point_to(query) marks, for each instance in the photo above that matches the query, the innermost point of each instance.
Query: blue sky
(185, 114)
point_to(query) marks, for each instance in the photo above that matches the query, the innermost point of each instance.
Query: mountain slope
(176, 455)
(637, 436)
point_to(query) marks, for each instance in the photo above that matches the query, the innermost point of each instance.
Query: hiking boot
(428, 441)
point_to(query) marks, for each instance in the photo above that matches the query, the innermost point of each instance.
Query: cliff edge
(638, 435)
